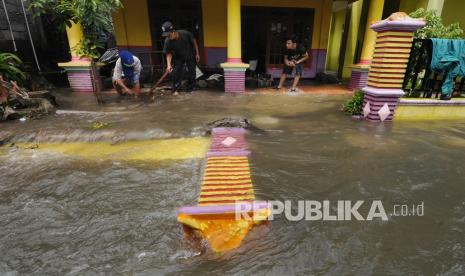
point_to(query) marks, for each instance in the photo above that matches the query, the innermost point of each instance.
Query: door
(282, 24)
(186, 15)
(264, 33)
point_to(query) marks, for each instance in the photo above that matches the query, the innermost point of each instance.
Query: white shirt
(118, 72)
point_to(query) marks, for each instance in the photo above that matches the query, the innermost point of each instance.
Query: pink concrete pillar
(391, 53)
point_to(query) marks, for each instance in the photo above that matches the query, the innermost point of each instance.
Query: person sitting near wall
(126, 74)
(179, 50)
(295, 56)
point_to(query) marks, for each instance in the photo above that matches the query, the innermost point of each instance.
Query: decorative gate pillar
(234, 68)
(391, 53)
(78, 69)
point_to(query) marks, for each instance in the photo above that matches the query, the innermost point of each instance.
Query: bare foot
(176, 93)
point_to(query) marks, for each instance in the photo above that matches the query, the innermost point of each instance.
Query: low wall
(430, 109)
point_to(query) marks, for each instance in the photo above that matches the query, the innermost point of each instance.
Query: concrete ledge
(431, 102)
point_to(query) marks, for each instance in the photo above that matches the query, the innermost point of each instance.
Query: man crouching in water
(180, 49)
(295, 56)
(126, 74)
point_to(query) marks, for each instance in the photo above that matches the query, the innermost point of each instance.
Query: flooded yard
(71, 203)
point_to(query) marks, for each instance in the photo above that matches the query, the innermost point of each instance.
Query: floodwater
(66, 214)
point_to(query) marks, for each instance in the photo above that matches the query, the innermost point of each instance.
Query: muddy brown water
(62, 215)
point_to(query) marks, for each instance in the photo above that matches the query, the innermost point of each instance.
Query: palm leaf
(9, 67)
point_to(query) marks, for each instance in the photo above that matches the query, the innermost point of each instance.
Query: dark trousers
(178, 73)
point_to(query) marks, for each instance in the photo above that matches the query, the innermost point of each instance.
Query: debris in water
(15, 102)
(26, 146)
(99, 125)
(224, 122)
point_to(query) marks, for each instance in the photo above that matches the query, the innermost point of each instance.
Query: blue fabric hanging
(449, 59)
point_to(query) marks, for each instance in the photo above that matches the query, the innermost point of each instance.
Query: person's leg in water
(178, 66)
(282, 79)
(287, 70)
(191, 69)
(298, 73)
(295, 83)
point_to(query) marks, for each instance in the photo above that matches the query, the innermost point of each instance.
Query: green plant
(10, 67)
(354, 106)
(94, 16)
(88, 48)
(434, 27)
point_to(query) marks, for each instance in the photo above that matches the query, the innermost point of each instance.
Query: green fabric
(449, 59)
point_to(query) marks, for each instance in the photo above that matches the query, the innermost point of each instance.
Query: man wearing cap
(180, 49)
(126, 73)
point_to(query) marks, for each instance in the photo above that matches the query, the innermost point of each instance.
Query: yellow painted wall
(453, 11)
(283, 3)
(327, 7)
(409, 6)
(214, 23)
(132, 25)
(334, 44)
(352, 37)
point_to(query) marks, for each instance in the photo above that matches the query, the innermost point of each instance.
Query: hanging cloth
(448, 59)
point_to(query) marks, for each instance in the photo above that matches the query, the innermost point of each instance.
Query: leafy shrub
(354, 106)
(434, 27)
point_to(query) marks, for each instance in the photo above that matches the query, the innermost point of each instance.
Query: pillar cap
(383, 91)
(230, 65)
(398, 21)
(360, 67)
(72, 63)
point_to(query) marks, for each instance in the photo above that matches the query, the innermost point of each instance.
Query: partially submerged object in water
(226, 191)
(229, 122)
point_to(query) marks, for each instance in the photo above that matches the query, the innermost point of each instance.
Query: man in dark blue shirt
(180, 49)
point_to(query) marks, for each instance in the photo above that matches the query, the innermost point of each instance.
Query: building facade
(263, 26)
(232, 33)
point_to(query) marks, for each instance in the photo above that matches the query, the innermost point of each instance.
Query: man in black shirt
(180, 49)
(295, 56)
